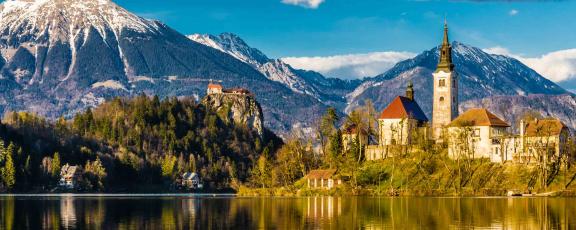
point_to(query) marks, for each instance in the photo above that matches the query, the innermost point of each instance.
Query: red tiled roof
(402, 107)
(478, 117)
(214, 86)
(545, 127)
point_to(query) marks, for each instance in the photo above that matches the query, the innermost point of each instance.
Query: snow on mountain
(275, 70)
(62, 56)
(232, 44)
(329, 91)
(482, 75)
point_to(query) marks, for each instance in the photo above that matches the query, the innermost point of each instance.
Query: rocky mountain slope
(482, 75)
(242, 110)
(62, 56)
(330, 91)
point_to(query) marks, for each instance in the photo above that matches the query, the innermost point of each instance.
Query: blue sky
(358, 38)
(359, 26)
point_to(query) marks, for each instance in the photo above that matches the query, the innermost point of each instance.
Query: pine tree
(56, 165)
(9, 171)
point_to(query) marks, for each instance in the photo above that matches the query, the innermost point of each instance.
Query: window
(442, 83)
(441, 99)
(476, 132)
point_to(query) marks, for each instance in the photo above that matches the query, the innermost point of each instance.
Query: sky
(326, 35)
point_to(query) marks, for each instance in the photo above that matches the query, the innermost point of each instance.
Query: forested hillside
(139, 144)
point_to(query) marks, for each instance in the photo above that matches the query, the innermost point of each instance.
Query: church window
(442, 83)
(441, 99)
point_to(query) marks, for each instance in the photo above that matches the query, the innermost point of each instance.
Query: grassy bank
(421, 174)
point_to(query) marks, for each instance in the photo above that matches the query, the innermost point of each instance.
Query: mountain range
(60, 57)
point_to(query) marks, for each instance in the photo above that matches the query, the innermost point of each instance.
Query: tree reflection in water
(185, 212)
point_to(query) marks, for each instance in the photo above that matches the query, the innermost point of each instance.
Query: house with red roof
(542, 138)
(214, 88)
(401, 120)
(398, 125)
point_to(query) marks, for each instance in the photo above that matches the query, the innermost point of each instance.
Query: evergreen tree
(8, 170)
(55, 170)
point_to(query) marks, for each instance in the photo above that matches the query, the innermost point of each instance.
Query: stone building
(445, 99)
(477, 134)
(214, 88)
(541, 137)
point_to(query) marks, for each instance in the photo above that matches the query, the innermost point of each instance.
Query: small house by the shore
(70, 175)
(325, 178)
(191, 180)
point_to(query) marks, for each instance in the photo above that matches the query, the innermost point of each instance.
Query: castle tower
(445, 103)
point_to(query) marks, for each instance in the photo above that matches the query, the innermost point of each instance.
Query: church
(477, 133)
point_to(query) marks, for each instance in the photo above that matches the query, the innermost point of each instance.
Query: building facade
(445, 99)
(477, 134)
(399, 124)
(325, 179)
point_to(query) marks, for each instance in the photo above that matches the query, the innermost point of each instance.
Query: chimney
(410, 91)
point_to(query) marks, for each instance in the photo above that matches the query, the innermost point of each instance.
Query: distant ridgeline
(139, 144)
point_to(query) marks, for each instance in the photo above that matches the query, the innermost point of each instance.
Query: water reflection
(285, 213)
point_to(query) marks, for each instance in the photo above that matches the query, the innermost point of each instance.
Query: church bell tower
(445, 103)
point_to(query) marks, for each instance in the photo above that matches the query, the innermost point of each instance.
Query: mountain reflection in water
(185, 212)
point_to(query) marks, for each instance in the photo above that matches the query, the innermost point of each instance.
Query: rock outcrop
(241, 109)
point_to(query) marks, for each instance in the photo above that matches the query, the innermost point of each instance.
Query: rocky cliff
(242, 109)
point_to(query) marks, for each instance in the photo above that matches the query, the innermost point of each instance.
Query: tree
(327, 126)
(336, 149)
(261, 173)
(95, 173)
(8, 170)
(55, 170)
(168, 164)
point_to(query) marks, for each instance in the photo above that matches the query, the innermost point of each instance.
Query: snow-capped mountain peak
(275, 70)
(63, 19)
(233, 45)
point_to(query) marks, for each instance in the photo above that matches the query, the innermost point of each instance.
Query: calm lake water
(228, 212)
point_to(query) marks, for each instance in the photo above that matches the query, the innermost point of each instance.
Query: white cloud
(350, 66)
(513, 12)
(312, 4)
(557, 66)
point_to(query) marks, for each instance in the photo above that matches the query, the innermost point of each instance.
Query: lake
(230, 212)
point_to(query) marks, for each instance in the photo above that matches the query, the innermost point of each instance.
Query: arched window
(441, 99)
(442, 83)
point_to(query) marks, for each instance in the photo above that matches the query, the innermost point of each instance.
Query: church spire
(445, 63)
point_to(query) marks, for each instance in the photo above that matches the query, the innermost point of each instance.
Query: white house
(191, 180)
(70, 175)
(399, 123)
(477, 134)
